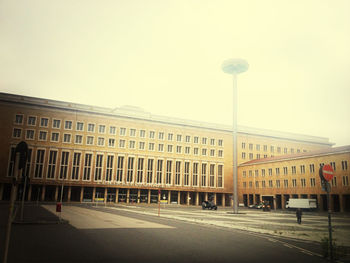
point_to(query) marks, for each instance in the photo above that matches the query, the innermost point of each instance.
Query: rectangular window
(270, 183)
(204, 140)
(251, 156)
(150, 171)
(285, 182)
(257, 147)
(66, 137)
(334, 181)
(188, 138)
(195, 139)
(179, 137)
(16, 133)
(109, 168)
(55, 137)
(312, 182)
(122, 131)
(285, 150)
(187, 174)
(78, 139)
(44, 122)
(160, 147)
(243, 155)
(89, 140)
(250, 146)
(277, 171)
(39, 164)
(212, 142)
(80, 126)
(111, 142)
(263, 172)
(19, 119)
(30, 134)
(68, 125)
(220, 142)
(195, 174)
(244, 174)
(294, 182)
(140, 162)
(177, 172)
(64, 165)
(170, 148)
(303, 182)
(178, 149)
(87, 166)
(161, 135)
(220, 153)
(256, 173)
(263, 184)
(159, 174)
(98, 167)
(112, 130)
(294, 170)
(270, 171)
(212, 153)
(132, 132)
(256, 184)
(204, 174)
(31, 121)
(212, 175)
(51, 169)
(141, 145)
(265, 148)
(195, 151)
(120, 168)
(151, 134)
(333, 166)
(100, 141)
(76, 166)
(131, 144)
(121, 143)
(285, 170)
(272, 149)
(142, 133)
(345, 180)
(302, 169)
(204, 152)
(151, 146)
(56, 123)
(169, 165)
(42, 135)
(91, 127)
(170, 136)
(312, 168)
(250, 184)
(187, 150)
(101, 128)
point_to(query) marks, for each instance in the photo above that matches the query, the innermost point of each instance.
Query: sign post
(326, 174)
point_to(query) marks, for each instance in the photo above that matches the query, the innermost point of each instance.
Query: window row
(272, 148)
(285, 170)
(66, 165)
(92, 127)
(294, 183)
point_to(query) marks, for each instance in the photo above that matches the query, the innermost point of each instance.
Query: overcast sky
(165, 56)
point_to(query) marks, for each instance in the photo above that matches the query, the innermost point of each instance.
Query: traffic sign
(328, 172)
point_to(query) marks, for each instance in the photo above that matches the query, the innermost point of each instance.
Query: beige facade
(126, 154)
(277, 179)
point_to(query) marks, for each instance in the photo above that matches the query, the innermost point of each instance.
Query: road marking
(83, 218)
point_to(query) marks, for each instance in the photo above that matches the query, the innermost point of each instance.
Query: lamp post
(234, 67)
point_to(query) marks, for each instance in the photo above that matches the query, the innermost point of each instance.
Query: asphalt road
(95, 236)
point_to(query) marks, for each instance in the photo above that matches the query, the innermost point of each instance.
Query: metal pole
(235, 195)
(329, 223)
(24, 194)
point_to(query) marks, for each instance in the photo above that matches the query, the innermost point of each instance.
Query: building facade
(90, 153)
(276, 179)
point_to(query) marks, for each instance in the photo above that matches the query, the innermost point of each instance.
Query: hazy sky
(165, 56)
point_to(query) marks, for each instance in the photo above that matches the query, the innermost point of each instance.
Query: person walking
(299, 214)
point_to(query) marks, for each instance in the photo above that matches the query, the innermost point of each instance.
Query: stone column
(283, 202)
(149, 196)
(1, 191)
(188, 198)
(69, 193)
(105, 196)
(81, 194)
(116, 195)
(274, 202)
(138, 195)
(214, 199)
(206, 196)
(93, 194)
(43, 193)
(197, 198)
(127, 195)
(169, 197)
(179, 197)
(223, 200)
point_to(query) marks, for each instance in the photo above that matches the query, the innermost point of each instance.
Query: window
(44, 122)
(120, 168)
(141, 145)
(243, 145)
(76, 166)
(109, 168)
(302, 169)
(121, 143)
(187, 150)
(170, 136)
(132, 132)
(204, 152)
(30, 134)
(243, 155)
(159, 173)
(122, 131)
(170, 148)
(212, 153)
(78, 139)
(132, 144)
(187, 173)
(151, 134)
(220, 142)
(263, 184)
(291, 150)
(303, 182)
(272, 149)
(256, 184)
(212, 175)
(263, 172)
(294, 170)
(140, 162)
(212, 142)
(39, 164)
(55, 136)
(112, 130)
(279, 149)
(334, 181)
(250, 184)
(151, 146)
(149, 171)
(87, 166)
(142, 133)
(16, 133)
(111, 142)
(250, 173)
(98, 167)
(270, 171)
(101, 128)
(270, 183)
(56, 124)
(51, 169)
(204, 140)
(195, 139)
(80, 126)
(188, 138)
(204, 174)
(220, 153)
(244, 174)
(265, 148)
(195, 174)
(89, 140)
(250, 146)
(19, 119)
(244, 184)
(68, 125)
(333, 166)
(285, 150)
(257, 147)
(169, 164)
(345, 180)
(100, 141)
(312, 168)
(91, 127)
(161, 135)
(277, 171)
(66, 137)
(64, 165)
(177, 172)
(28, 163)
(42, 135)
(160, 147)
(312, 182)
(294, 182)
(258, 156)
(178, 149)
(31, 121)
(179, 137)
(251, 156)
(285, 182)
(285, 170)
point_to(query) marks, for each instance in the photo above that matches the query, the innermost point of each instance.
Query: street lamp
(234, 67)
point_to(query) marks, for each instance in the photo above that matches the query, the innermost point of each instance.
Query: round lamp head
(234, 66)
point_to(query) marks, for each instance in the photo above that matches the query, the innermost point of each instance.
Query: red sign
(58, 207)
(328, 172)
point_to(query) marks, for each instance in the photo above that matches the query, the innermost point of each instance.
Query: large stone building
(129, 155)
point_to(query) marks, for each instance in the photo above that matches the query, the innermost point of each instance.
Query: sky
(165, 56)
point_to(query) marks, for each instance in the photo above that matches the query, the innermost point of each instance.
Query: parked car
(209, 205)
(256, 206)
(266, 206)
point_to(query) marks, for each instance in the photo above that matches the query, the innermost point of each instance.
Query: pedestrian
(299, 214)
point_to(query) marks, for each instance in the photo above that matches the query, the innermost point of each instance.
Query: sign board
(328, 172)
